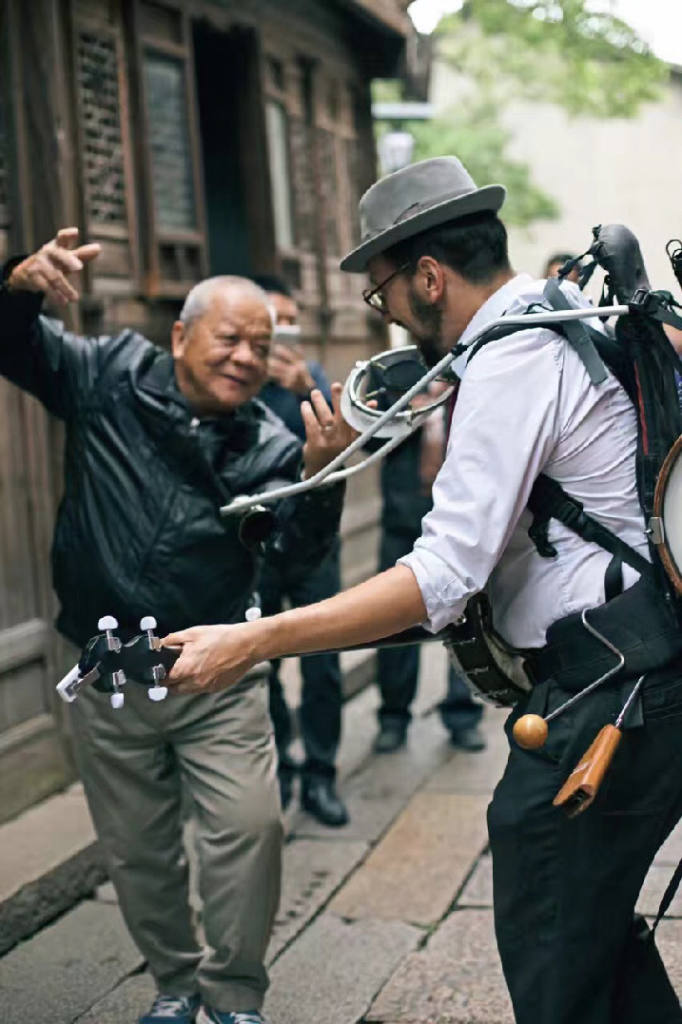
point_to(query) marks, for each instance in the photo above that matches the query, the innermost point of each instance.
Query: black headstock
(108, 664)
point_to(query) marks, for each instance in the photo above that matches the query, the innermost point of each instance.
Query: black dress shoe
(319, 798)
(391, 736)
(468, 739)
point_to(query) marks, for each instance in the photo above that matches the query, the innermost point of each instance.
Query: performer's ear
(431, 277)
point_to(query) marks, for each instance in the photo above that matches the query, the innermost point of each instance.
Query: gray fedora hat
(418, 197)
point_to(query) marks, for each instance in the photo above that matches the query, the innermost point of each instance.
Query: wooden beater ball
(530, 732)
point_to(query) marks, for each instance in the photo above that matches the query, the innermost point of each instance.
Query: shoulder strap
(581, 336)
(576, 333)
(548, 500)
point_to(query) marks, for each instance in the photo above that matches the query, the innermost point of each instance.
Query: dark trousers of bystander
(398, 667)
(321, 696)
(565, 889)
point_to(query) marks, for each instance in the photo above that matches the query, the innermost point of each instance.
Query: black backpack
(641, 357)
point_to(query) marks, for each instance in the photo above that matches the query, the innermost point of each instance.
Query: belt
(641, 623)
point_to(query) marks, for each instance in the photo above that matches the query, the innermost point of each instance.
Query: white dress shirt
(526, 406)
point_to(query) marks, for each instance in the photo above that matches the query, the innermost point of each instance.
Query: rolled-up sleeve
(503, 431)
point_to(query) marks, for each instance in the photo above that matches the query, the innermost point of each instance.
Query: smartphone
(287, 334)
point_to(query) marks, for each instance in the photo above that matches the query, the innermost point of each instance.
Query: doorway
(236, 180)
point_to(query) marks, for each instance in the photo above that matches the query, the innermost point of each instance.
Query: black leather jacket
(138, 530)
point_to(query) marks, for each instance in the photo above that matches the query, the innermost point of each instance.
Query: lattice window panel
(327, 146)
(303, 184)
(171, 157)
(104, 169)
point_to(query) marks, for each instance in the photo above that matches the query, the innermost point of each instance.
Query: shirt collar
(495, 306)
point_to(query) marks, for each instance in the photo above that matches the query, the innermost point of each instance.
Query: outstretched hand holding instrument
(107, 664)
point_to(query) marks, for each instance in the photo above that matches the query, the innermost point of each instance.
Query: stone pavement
(386, 920)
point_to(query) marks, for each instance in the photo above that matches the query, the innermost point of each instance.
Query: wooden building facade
(188, 137)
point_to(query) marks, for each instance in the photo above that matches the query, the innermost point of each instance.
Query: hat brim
(490, 197)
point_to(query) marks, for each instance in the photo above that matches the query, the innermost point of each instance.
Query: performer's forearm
(382, 605)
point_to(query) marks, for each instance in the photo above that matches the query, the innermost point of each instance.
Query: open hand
(48, 270)
(327, 433)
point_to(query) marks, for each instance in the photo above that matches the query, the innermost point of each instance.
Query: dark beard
(430, 322)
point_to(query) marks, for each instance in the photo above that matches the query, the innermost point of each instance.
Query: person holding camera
(291, 379)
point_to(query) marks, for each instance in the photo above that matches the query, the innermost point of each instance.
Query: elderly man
(154, 445)
(564, 890)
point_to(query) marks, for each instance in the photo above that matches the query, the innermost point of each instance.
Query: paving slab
(41, 838)
(43, 900)
(417, 869)
(669, 942)
(380, 788)
(455, 979)
(312, 870)
(333, 971)
(49, 860)
(671, 851)
(652, 891)
(76, 961)
(124, 1004)
(478, 891)
(477, 772)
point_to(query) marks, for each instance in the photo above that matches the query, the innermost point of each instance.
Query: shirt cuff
(444, 598)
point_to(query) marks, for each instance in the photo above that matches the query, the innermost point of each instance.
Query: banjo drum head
(668, 508)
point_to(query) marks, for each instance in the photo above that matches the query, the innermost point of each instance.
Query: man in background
(407, 475)
(291, 380)
(556, 262)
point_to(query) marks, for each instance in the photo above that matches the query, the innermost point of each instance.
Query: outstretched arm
(215, 657)
(36, 353)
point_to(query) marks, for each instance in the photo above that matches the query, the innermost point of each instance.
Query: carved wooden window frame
(118, 270)
(186, 249)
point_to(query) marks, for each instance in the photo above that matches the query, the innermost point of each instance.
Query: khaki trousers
(139, 766)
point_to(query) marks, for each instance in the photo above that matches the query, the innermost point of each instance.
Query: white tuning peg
(252, 613)
(157, 693)
(107, 622)
(148, 622)
(117, 700)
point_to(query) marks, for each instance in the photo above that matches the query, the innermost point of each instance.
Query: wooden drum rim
(669, 563)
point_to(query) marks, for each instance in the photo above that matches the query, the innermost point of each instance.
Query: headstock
(107, 664)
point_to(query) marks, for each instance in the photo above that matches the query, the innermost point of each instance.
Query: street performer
(564, 890)
(156, 441)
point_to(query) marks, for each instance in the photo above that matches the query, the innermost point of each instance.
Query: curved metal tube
(597, 682)
(332, 472)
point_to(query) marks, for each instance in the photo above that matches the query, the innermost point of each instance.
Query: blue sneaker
(208, 1016)
(172, 1010)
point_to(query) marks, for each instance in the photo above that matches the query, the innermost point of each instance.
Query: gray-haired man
(155, 444)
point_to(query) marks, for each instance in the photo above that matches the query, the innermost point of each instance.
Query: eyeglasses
(373, 296)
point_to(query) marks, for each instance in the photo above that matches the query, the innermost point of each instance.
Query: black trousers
(321, 695)
(398, 667)
(565, 889)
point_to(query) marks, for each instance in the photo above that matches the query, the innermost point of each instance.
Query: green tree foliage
(558, 51)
